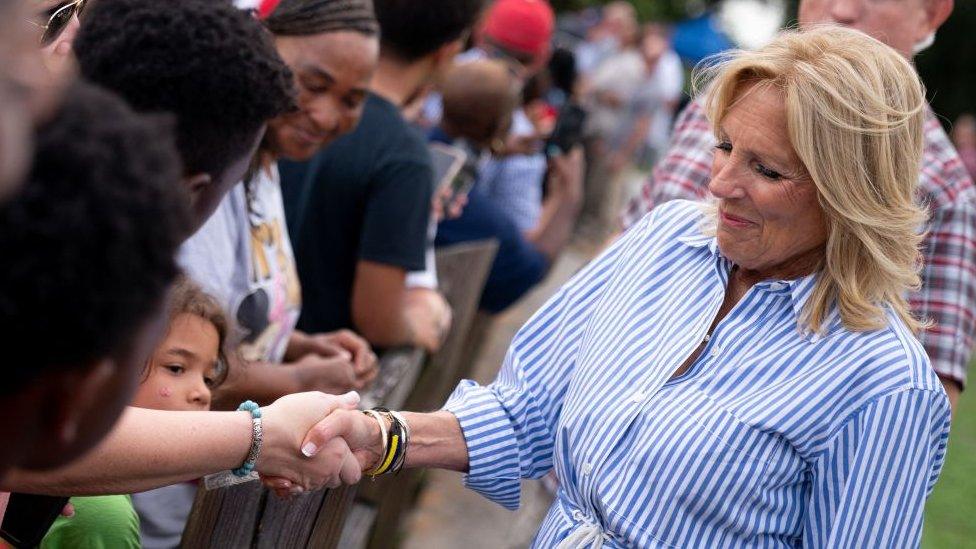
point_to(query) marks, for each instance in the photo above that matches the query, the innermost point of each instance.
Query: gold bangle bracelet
(383, 437)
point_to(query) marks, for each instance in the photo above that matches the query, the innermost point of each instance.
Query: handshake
(314, 440)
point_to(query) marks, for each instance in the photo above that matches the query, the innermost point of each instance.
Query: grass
(950, 514)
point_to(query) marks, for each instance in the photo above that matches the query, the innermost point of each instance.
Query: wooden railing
(229, 513)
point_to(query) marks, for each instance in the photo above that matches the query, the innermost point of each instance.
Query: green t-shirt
(101, 522)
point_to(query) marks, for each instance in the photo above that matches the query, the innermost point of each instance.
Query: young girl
(180, 375)
(190, 362)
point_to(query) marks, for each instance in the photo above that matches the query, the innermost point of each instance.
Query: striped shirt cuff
(493, 451)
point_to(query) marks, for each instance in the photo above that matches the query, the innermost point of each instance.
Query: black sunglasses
(58, 18)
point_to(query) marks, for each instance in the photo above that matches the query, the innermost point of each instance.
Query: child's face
(182, 367)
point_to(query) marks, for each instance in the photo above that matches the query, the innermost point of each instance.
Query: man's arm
(393, 241)
(561, 207)
(386, 314)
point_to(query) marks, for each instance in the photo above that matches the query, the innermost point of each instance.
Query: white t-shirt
(243, 257)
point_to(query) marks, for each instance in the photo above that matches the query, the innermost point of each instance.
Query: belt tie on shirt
(587, 535)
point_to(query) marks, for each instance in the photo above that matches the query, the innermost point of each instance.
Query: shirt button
(587, 468)
(637, 397)
(716, 351)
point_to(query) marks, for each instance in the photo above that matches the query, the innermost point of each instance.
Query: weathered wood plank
(288, 523)
(225, 517)
(399, 370)
(358, 526)
(328, 527)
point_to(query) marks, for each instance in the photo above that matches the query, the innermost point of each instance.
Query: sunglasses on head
(58, 18)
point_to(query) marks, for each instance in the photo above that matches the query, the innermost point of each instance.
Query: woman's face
(332, 75)
(182, 369)
(769, 215)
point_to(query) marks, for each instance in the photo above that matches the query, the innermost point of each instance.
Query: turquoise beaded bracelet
(257, 436)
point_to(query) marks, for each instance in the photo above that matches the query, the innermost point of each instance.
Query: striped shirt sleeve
(870, 483)
(509, 426)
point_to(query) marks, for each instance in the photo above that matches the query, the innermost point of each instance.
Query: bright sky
(752, 23)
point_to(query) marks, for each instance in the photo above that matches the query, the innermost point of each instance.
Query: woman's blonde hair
(855, 111)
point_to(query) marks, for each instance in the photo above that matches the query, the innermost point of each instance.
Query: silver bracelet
(257, 437)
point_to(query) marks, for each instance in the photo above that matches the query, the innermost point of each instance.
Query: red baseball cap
(524, 26)
(262, 8)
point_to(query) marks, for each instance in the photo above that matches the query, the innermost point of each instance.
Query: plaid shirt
(948, 294)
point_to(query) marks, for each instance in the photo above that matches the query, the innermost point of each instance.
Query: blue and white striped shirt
(775, 436)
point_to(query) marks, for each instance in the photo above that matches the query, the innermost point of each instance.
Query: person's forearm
(637, 136)
(147, 449)
(396, 329)
(555, 226)
(261, 382)
(298, 346)
(385, 323)
(414, 321)
(436, 440)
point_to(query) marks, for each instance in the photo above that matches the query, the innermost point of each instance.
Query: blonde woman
(742, 375)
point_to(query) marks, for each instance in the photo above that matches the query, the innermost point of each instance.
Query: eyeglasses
(58, 19)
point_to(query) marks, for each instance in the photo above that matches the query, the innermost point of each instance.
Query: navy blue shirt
(365, 197)
(518, 265)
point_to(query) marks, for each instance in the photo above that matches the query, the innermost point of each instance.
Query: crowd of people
(215, 216)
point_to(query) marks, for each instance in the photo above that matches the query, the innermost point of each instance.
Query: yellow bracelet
(389, 457)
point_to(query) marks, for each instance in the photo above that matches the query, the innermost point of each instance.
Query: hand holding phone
(568, 132)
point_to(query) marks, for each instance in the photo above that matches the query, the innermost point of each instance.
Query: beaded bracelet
(257, 436)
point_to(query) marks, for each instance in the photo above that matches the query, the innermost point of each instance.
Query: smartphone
(448, 161)
(29, 517)
(568, 132)
(465, 178)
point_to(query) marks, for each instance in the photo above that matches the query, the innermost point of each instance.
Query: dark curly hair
(89, 242)
(411, 29)
(211, 65)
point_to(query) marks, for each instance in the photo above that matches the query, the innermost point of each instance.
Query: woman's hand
(358, 432)
(285, 456)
